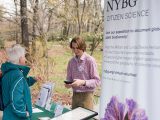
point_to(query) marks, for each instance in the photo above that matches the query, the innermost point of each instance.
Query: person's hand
(78, 83)
(38, 78)
(27, 113)
(68, 85)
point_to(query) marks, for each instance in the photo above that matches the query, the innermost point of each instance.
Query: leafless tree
(24, 23)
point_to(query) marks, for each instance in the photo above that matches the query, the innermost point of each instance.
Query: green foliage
(56, 36)
(93, 40)
(90, 36)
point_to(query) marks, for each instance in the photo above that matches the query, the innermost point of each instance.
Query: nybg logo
(120, 4)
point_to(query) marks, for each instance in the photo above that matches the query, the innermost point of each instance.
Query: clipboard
(79, 113)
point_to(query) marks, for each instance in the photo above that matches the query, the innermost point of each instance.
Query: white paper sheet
(36, 110)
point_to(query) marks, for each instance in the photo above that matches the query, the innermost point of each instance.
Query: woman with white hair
(15, 85)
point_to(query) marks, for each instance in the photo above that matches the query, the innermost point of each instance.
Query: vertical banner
(131, 60)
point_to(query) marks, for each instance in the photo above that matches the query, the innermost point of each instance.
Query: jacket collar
(7, 66)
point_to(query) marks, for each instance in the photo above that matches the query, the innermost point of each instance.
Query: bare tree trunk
(82, 14)
(35, 18)
(88, 26)
(78, 16)
(68, 29)
(65, 28)
(34, 32)
(16, 32)
(65, 21)
(97, 23)
(49, 19)
(24, 23)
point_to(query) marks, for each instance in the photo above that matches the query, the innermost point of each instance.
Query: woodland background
(45, 28)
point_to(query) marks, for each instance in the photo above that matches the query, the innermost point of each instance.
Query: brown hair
(80, 43)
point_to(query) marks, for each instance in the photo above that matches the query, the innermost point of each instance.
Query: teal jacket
(16, 92)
